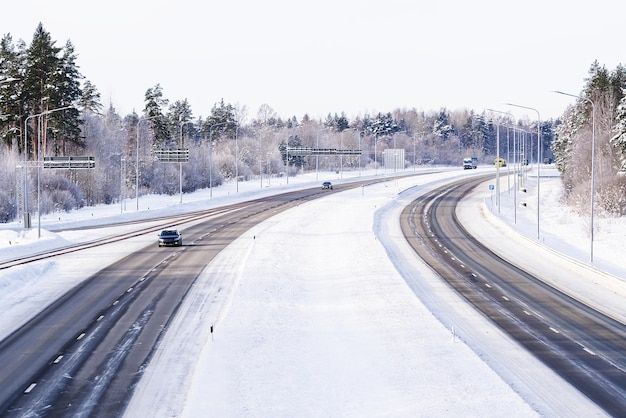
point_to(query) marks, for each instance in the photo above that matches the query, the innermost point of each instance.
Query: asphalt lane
(585, 347)
(84, 354)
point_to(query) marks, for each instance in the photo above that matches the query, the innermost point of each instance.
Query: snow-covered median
(319, 322)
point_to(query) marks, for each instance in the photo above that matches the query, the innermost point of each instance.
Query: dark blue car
(170, 237)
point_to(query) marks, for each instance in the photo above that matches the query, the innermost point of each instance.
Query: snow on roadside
(373, 318)
(321, 323)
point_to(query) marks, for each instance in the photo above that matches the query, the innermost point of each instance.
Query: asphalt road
(585, 347)
(82, 355)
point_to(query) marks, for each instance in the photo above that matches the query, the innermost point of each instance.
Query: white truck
(470, 163)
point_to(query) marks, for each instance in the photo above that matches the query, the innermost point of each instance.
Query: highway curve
(585, 347)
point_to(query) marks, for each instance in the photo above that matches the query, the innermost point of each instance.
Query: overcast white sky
(332, 56)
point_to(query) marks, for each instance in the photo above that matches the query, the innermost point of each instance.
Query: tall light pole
(137, 161)
(122, 175)
(47, 112)
(375, 149)
(261, 157)
(538, 154)
(515, 175)
(498, 166)
(180, 163)
(414, 158)
(341, 155)
(497, 163)
(593, 150)
(26, 213)
(361, 153)
(237, 159)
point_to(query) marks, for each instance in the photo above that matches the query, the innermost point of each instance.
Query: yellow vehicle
(501, 160)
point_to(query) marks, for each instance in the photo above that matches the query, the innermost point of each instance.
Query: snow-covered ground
(328, 313)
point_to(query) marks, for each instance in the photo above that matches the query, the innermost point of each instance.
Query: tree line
(595, 125)
(41, 77)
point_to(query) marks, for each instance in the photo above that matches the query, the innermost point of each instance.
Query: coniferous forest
(49, 109)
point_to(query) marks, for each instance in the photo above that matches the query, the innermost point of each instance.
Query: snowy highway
(582, 345)
(263, 326)
(103, 331)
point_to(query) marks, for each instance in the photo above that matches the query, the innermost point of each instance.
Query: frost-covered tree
(47, 80)
(12, 64)
(222, 121)
(619, 140)
(562, 144)
(265, 114)
(383, 124)
(153, 109)
(442, 127)
(90, 99)
(593, 119)
(336, 122)
(181, 126)
(65, 137)
(51, 81)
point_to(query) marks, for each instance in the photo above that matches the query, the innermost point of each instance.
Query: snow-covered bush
(7, 208)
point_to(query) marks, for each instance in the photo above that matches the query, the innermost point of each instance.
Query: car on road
(327, 185)
(499, 162)
(170, 237)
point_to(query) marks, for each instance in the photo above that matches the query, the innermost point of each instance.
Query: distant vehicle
(170, 237)
(501, 160)
(470, 163)
(327, 185)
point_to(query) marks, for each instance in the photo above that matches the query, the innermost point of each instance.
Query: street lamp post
(261, 157)
(414, 159)
(360, 155)
(375, 150)
(237, 159)
(180, 164)
(497, 162)
(26, 213)
(593, 149)
(47, 112)
(341, 155)
(538, 154)
(498, 165)
(516, 171)
(122, 175)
